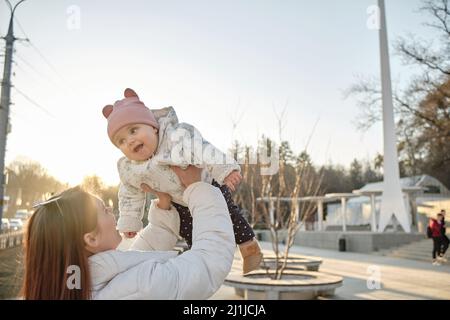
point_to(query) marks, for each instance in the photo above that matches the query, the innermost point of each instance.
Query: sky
(216, 62)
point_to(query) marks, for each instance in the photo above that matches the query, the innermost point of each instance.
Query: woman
(436, 234)
(74, 232)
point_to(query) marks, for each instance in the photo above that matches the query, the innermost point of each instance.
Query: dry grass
(10, 272)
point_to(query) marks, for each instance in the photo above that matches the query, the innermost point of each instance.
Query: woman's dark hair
(54, 241)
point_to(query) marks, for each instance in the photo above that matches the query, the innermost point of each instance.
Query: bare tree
(296, 177)
(28, 182)
(93, 184)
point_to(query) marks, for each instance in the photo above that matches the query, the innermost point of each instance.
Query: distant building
(433, 197)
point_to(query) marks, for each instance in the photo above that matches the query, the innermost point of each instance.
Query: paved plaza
(399, 278)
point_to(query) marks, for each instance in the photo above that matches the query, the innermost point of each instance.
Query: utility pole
(5, 101)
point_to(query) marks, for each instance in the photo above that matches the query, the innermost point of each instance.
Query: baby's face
(137, 141)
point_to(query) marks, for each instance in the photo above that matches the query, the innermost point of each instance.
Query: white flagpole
(392, 199)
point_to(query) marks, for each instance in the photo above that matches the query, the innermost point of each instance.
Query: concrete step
(411, 256)
(418, 258)
(420, 244)
(412, 250)
(420, 250)
(407, 249)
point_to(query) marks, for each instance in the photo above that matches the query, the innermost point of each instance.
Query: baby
(151, 141)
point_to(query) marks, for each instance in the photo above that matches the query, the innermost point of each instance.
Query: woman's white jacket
(161, 274)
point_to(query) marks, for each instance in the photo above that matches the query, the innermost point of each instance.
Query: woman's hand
(164, 199)
(187, 176)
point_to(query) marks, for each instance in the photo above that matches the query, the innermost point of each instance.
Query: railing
(11, 239)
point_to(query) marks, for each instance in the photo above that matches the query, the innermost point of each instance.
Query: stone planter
(294, 261)
(294, 285)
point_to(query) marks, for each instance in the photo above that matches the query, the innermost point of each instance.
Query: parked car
(22, 214)
(15, 224)
(5, 225)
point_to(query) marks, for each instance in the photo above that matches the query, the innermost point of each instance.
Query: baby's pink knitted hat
(127, 111)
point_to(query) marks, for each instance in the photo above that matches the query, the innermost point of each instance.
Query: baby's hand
(233, 180)
(130, 234)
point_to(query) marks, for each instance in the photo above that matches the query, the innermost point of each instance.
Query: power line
(20, 27)
(34, 103)
(19, 66)
(37, 50)
(40, 74)
(29, 65)
(33, 77)
(47, 61)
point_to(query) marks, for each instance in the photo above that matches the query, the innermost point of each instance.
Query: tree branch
(436, 11)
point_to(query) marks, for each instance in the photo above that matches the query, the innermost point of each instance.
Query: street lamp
(5, 100)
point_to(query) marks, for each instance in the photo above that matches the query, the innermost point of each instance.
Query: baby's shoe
(251, 256)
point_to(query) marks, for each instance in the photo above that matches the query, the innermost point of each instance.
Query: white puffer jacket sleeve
(162, 230)
(131, 208)
(195, 274)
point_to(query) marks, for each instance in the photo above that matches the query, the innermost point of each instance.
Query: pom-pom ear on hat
(129, 93)
(107, 110)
